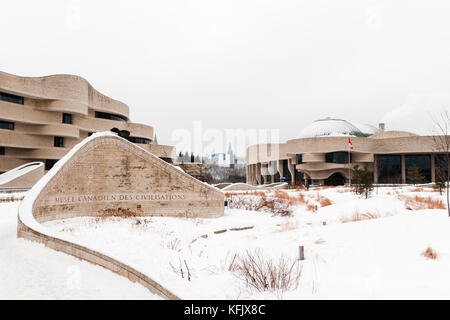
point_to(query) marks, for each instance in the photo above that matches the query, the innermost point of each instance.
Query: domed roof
(329, 127)
(367, 129)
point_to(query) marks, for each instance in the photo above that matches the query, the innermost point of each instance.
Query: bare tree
(442, 145)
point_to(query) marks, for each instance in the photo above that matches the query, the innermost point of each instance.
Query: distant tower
(230, 151)
(230, 156)
(155, 140)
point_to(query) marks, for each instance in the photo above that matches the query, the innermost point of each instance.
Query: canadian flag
(350, 144)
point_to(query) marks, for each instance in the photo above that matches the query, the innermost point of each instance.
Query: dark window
(338, 157)
(109, 116)
(276, 177)
(90, 134)
(422, 161)
(169, 160)
(139, 140)
(49, 163)
(67, 118)
(299, 177)
(7, 125)
(11, 98)
(2, 150)
(441, 161)
(389, 167)
(336, 179)
(441, 165)
(286, 172)
(299, 158)
(58, 142)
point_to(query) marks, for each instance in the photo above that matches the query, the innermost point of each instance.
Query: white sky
(240, 64)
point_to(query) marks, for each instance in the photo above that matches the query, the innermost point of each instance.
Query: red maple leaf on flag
(350, 144)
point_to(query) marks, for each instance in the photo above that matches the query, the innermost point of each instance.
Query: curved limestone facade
(107, 175)
(42, 118)
(321, 155)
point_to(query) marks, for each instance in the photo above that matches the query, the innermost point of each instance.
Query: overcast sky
(243, 64)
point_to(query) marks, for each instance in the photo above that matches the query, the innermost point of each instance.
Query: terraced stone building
(322, 155)
(42, 118)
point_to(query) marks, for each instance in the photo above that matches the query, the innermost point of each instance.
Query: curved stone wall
(105, 175)
(94, 257)
(39, 119)
(313, 152)
(62, 90)
(24, 176)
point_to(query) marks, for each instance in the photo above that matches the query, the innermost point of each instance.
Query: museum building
(327, 151)
(42, 118)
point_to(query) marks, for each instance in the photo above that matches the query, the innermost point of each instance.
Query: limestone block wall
(111, 175)
(197, 170)
(106, 174)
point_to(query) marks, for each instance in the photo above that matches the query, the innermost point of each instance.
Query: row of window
(7, 125)
(139, 140)
(59, 141)
(338, 157)
(390, 166)
(109, 116)
(8, 97)
(332, 157)
(67, 118)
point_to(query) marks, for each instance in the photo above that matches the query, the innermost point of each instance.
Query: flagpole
(349, 169)
(349, 157)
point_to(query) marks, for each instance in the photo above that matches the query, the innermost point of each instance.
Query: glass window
(109, 116)
(67, 118)
(441, 161)
(6, 125)
(337, 157)
(2, 150)
(139, 140)
(49, 163)
(422, 161)
(299, 158)
(286, 172)
(58, 142)
(389, 167)
(441, 165)
(8, 97)
(90, 134)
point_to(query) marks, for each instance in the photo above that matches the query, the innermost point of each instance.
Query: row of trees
(186, 158)
(217, 174)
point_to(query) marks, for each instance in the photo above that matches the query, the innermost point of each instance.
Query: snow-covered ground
(375, 258)
(29, 270)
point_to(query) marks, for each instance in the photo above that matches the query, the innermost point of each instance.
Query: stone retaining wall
(95, 258)
(105, 175)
